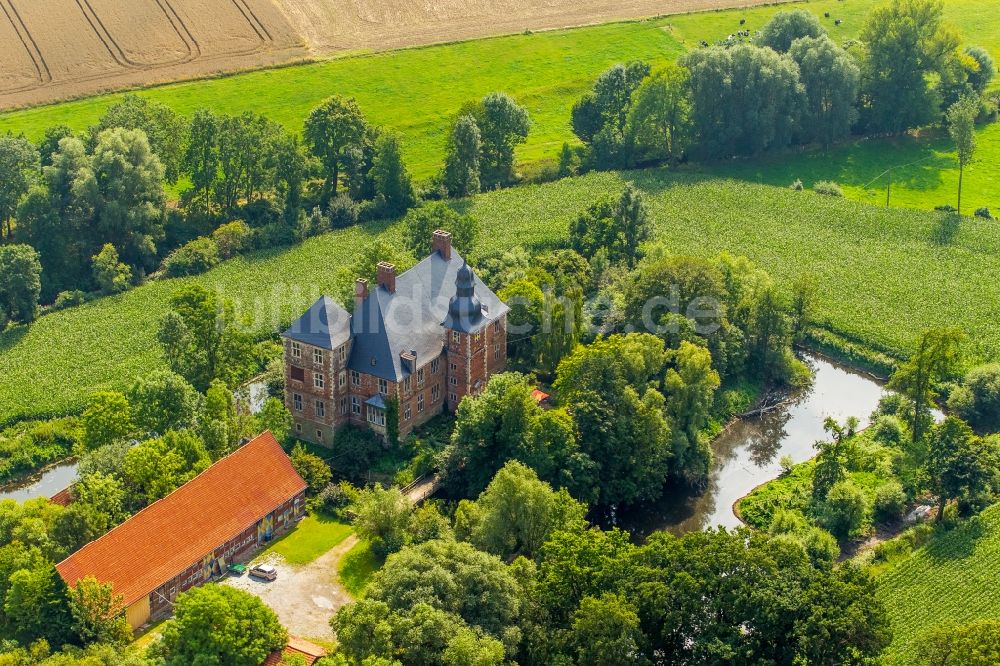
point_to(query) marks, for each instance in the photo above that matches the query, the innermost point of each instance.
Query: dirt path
(306, 597)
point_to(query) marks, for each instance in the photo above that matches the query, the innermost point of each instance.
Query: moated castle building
(424, 338)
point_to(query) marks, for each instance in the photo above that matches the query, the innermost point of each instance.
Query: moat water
(747, 454)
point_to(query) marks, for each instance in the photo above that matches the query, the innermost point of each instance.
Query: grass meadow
(313, 536)
(884, 275)
(417, 92)
(949, 581)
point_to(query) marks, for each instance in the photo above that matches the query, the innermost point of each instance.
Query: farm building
(223, 515)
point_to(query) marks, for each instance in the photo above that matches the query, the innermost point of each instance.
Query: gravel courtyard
(304, 597)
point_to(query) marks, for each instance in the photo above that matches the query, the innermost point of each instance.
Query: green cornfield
(884, 275)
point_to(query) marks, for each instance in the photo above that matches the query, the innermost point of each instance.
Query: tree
(20, 284)
(157, 467)
(276, 418)
(49, 145)
(219, 424)
(804, 292)
(165, 130)
(619, 416)
(977, 400)
(421, 223)
(203, 341)
(101, 498)
(600, 116)
(975, 644)
(220, 625)
(606, 632)
(960, 465)
(786, 27)
(382, 516)
(390, 177)
(936, 359)
(288, 163)
(162, 401)
(659, 117)
(690, 389)
(503, 125)
(97, 613)
(19, 164)
(461, 164)
(985, 69)
(619, 226)
(201, 160)
(331, 130)
(962, 128)
(111, 275)
(244, 150)
(516, 513)
(769, 334)
(745, 99)
(905, 42)
(36, 605)
(313, 470)
(106, 419)
(845, 510)
(831, 79)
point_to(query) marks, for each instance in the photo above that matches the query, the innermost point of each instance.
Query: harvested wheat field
(60, 49)
(56, 49)
(338, 25)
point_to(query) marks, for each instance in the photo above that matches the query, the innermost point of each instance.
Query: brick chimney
(386, 276)
(360, 292)
(442, 244)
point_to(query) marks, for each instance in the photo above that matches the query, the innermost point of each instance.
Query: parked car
(264, 571)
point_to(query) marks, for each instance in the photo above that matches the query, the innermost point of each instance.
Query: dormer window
(456, 337)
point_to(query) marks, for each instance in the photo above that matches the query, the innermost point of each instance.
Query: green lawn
(418, 91)
(357, 567)
(313, 536)
(885, 275)
(953, 579)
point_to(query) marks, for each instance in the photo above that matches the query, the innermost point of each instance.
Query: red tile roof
(539, 395)
(299, 646)
(161, 541)
(64, 497)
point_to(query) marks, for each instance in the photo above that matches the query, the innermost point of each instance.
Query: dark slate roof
(325, 325)
(413, 318)
(376, 401)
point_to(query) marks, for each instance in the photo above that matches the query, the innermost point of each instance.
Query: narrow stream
(747, 454)
(50, 482)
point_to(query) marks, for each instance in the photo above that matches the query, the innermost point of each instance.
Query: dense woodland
(512, 567)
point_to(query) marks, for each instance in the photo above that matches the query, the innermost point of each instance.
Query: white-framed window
(456, 337)
(297, 402)
(296, 350)
(454, 367)
(453, 381)
(383, 387)
(407, 412)
(453, 397)
(343, 405)
(298, 428)
(496, 351)
(318, 356)
(342, 379)
(319, 435)
(496, 326)
(320, 409)
(406, 384)
(376, 416)
(355, 378)
(477, 336)
(435, 366)
(318, 380)
(435, 393)
(420, 402)
(342, 353)
(420, 376)
(355, 405)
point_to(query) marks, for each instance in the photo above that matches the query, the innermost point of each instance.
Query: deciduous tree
(331, 130)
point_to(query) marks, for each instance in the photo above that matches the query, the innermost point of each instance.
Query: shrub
(232, 238)
(888, 430)
(890, 502)
(845, 510)
(797, 185)
(195, 257)
(68, 299)
(787, 463)
(260, 213)
(821, 546)
(984, 213)
(977, 400)
(343, 211)
(111, 275)
(828, 188)
(946, 208)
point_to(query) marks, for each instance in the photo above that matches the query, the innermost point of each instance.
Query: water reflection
(47, 484)
(747, 454)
